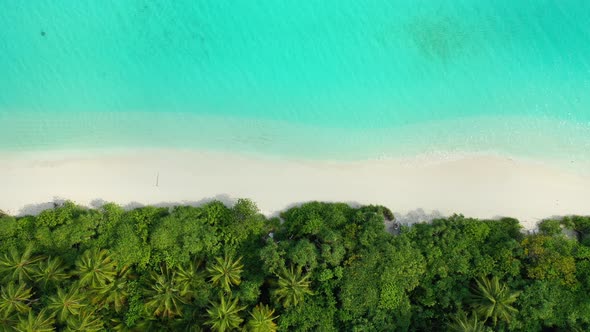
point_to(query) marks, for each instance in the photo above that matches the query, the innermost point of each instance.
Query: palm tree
(36, 323)
(462, 323)
(262, 319)
(95, 268)
(15, 298)
(63, 304)
(50, 272)
(119, 325)
(86, 321)
(191, 321)
(188, 277)
(15, 266)
(493, 299)
(114, 293)
(8, 321)
(292, 287)
(164, 297)
(226, 272)
(224, 316)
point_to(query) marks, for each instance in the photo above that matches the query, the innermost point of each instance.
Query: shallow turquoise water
(329, 78)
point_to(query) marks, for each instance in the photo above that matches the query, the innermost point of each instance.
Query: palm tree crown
(164, 297)
(293, 287)
(115, 293)
(493, 299)
(36, 323)
(15, 298)
(224, 316)
(226, 272)
(95, 268)
(8, 321)
(262, 319)
(188, 277)
(63, 304)
(15, 266)
(86, 321)
(50, 272)
(463, 323)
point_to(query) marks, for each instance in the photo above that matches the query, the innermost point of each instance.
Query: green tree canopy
(315, 267)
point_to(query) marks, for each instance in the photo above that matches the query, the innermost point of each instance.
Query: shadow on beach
(392, 226)
(35, 209)
(408, 219)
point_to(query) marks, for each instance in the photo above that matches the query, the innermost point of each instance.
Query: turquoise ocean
(335, 79)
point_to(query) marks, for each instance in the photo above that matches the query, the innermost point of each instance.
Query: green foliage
(164, 296)
(225, 272)
(86, 321)
(464, 323)
(262, 319)
(66, 303)
(50, 272)
(581, 225)
(550, 303)
(272, 258)
(115, 293)
(304, 254)
(127, 247)
(550, 258)
(190, 279)
(249, 292)
(40, 322)
(8, 233)
(18, 266)
(319, 267)
(224, 315)
(95, 268)
(15, 298)
(56, 217)
(182, 234)
(492, 299)
(293, 287)
(550, 227)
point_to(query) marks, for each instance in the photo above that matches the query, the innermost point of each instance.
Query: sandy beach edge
(482, 186)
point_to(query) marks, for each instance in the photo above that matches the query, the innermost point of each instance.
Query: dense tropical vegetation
(319, 267)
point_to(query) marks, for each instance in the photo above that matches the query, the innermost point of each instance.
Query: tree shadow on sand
(417, 216)
(406, 219)
(35, 209)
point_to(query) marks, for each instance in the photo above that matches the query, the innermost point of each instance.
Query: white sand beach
(477, 186)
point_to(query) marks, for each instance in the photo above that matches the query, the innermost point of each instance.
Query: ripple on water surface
(331, 78)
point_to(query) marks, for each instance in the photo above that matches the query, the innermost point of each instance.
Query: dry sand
(477, 186)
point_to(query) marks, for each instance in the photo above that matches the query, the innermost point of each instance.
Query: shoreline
(477, 185)
(526, 137)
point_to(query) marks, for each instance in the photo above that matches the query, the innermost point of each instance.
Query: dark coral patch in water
(438, 37)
